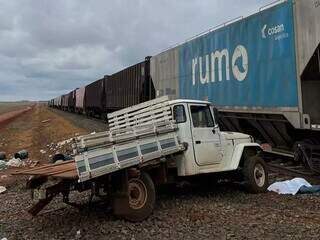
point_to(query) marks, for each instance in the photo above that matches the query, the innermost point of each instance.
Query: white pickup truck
(149, 144)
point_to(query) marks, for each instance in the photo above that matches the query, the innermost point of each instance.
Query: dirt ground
(12, 106)
(36, 131)
(217, 211)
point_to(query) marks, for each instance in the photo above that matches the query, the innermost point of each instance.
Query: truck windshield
(201, 117)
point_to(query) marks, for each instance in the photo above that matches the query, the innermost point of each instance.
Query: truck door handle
(198, 142)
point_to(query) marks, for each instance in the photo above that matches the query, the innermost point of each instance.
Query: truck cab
(210, 150)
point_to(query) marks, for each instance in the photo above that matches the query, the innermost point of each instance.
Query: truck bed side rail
(137, 135)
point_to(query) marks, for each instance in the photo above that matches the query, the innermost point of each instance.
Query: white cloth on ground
(289, 186)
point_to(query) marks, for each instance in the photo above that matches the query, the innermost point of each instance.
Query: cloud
(50, 47)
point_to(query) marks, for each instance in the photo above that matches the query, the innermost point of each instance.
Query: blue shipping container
(249, 63)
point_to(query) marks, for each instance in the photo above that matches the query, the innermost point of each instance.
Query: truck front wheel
(255, 175)
(142, 196)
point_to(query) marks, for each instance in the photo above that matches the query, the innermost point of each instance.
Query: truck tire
(142, 197)
(255, 174)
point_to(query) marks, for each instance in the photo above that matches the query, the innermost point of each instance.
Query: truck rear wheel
(142, 196)
(255, 174)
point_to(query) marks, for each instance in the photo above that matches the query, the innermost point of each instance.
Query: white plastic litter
(289, 186)
(42, 151)
(2, 189)
(15, 162)
(64, 142)
(78, 235)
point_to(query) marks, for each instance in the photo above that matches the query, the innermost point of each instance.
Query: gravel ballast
(225, 212)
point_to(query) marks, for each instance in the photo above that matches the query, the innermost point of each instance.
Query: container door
(206, 138)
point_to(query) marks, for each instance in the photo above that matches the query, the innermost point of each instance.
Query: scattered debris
(4, 176)
(289, 187)
(45, 121)
(43, 151)
(78, 234)
(34, 163)
(62, 143)
(2, 189)
(312, 189)
(2, 155)
(61, 156)
(3, 164)
(23, 154)
(15, 162)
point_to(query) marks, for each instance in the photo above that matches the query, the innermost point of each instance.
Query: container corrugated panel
(307, 30)
(164, 71)
(59, 101)
(72, 99)
(94, 95)
(129, 87)
(80, 97)
(247, 64)
(64, 100)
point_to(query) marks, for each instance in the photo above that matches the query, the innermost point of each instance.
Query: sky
(48, 48)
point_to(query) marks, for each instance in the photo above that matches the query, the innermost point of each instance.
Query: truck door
(206, 138)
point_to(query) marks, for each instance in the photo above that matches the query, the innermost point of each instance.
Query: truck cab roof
(176, 101)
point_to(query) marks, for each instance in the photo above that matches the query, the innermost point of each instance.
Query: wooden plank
(134, 118)
(130, 133)
(92, 136)
(50, 172)
(45, 166)
(48, 169)
(145, 121)
(73, 174)
(147, 111)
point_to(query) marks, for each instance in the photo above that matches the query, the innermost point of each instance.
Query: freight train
(262, 71)
(123, 89)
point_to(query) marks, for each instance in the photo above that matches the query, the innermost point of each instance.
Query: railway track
(284, 164)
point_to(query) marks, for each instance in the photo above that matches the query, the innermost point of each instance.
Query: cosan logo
(211, 66)
(270, 31)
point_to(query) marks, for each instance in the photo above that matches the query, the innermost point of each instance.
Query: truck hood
(234, 135)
